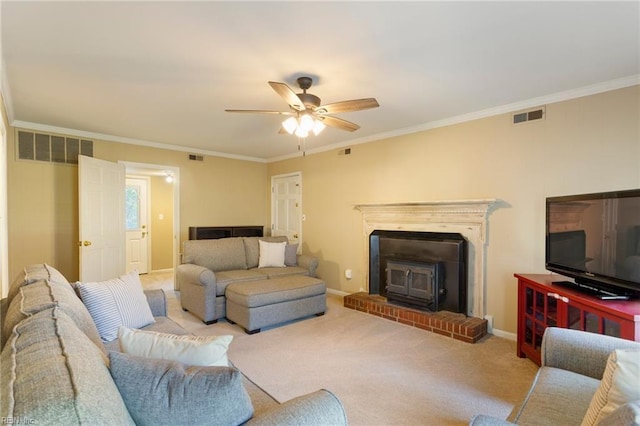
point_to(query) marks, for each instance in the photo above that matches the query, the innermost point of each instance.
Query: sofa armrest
(195, 274)
(483, 420)
(318, 408)
(308, 262)
(157, 302)
(580, 351)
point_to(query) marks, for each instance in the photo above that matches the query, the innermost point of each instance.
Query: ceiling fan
(307, 114)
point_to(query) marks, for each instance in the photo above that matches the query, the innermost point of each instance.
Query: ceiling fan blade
(346, 106)
(288, 95)
(258, 111)
(339, 123)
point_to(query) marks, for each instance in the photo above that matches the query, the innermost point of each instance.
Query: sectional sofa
(208, 267)
(57, 369)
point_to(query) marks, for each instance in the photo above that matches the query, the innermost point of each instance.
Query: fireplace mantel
(466, 217)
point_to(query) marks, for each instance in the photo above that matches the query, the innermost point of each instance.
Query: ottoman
(257, 304)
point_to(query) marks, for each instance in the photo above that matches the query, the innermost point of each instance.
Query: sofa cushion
(45, 294)
(51, 373)
(283, 272)
(224, 278)
(116, 302)
(271, 254)
(162, 392)
(555, 396)
(619, 385)
(252, 248)
(190, 350)
(33, 273)
(218, 255)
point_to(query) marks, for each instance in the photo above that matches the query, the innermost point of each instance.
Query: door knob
(86, 243)
(295, 236)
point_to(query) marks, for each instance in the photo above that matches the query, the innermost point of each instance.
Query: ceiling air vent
(194, 157)
(531, 115)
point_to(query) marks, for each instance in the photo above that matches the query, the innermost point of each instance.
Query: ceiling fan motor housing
(304, 82)
(309, 100)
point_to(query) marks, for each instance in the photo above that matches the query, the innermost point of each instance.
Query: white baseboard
(337, 292)
(504, 334)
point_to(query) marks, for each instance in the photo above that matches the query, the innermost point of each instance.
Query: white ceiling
(164, 72)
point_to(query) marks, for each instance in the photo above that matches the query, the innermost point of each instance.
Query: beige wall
(43, 201)
(588, 144)
(161, 227)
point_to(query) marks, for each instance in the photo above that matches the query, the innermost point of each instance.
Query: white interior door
(286, 206)
(101, 203)
(137, 224)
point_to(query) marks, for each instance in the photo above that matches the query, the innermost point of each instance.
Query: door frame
(297, 174)
(135, 168)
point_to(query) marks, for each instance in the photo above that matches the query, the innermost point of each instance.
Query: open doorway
(161, 223)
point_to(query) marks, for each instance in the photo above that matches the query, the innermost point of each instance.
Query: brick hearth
(458, 326)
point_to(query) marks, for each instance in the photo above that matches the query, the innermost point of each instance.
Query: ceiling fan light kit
(302, 125)
(307, 114)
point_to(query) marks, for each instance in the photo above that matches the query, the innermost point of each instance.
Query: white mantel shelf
(466, 217)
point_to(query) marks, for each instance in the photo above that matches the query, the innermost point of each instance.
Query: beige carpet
(385, 373)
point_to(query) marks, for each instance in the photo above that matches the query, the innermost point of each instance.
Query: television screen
(595, 238)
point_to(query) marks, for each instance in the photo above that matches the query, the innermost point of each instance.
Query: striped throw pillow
(116, 302)
(618, 387)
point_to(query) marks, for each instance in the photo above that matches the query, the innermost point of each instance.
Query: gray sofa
(55, 369)
(573, 363)
(209, 266)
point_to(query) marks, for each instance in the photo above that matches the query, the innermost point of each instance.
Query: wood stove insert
(424, 270)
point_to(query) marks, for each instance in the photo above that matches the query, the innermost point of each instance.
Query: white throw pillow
(271, 254)
(619, 385)
(190, 350)
(116, 302)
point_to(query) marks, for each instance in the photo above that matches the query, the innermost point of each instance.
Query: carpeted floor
(384, 373)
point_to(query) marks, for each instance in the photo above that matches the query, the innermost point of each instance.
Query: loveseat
(208, 267)
(575, 366)
(56, 369)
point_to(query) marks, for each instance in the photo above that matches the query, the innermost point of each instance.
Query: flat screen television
(595, 239)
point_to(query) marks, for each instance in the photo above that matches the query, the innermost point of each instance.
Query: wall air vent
(52, 148)
(194, 157)
(531, 115)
